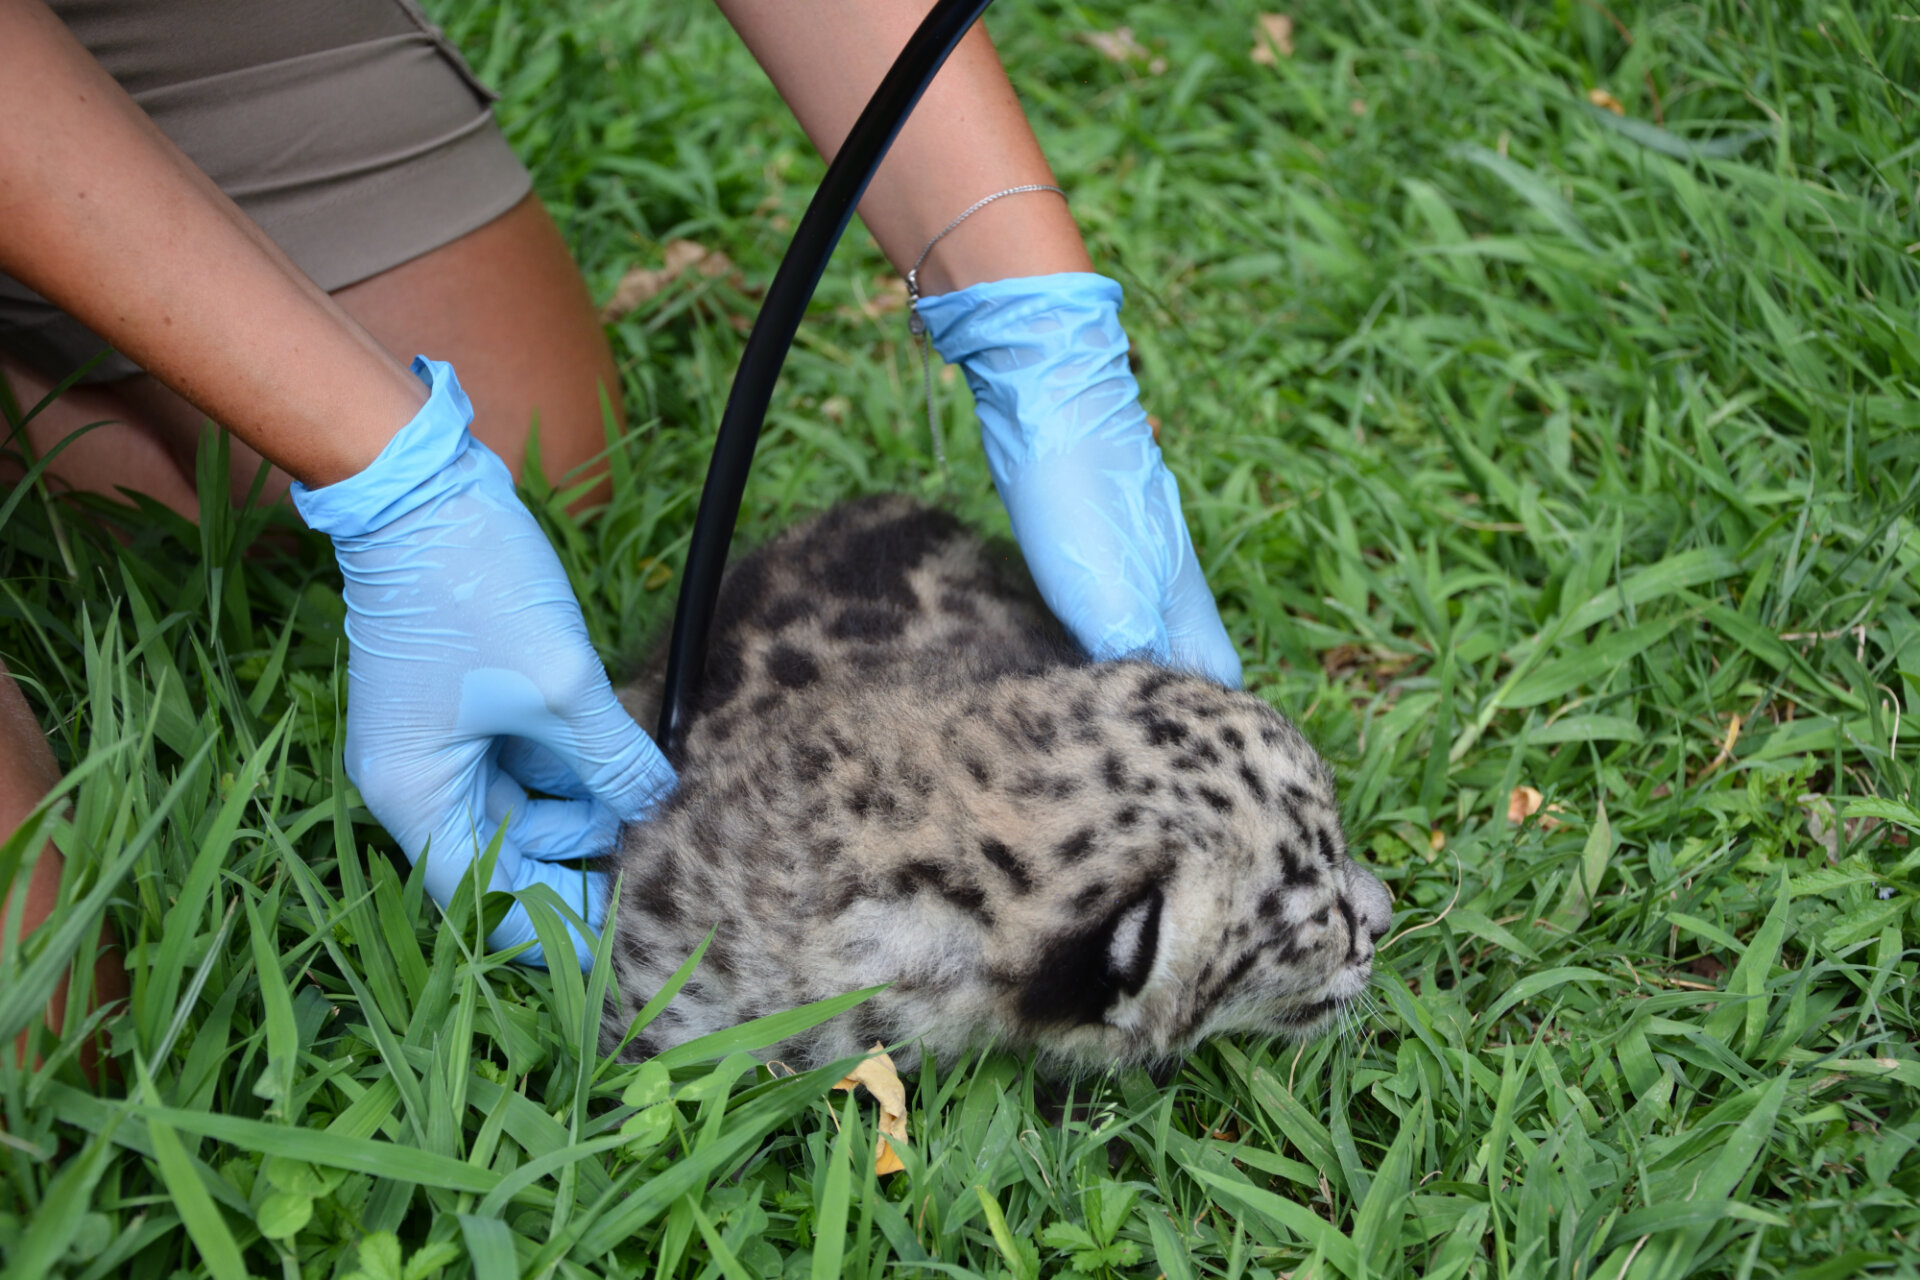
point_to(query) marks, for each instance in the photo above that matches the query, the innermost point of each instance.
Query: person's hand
(470, 676)
(1095, 510)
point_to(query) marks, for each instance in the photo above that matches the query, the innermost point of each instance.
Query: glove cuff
(970, 321)
(401, 478)
(1046, 359)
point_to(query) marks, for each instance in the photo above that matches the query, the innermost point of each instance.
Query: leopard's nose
(1372, 904)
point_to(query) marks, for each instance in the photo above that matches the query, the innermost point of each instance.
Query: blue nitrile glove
(1095, 510)
(470, 677)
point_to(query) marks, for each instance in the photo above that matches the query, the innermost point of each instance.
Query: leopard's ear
(1083, 974)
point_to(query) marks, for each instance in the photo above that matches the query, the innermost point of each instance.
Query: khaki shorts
(350, 130)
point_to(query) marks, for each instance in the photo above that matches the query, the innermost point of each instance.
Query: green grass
(1525, 445)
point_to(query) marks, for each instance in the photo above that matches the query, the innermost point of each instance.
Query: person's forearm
(968, 138)
(108, 219)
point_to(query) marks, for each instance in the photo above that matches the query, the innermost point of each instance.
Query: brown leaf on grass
(878, 1075)
(642, 284)
(890, 294)
(1436, 839)
(1272, 38)
(1525, 802)
(1825, 827)
(887, 293)
(1601, 98)
(1708, 967)
(1118, 45)
(1375, 665)
(1726, 746)
(656, 573)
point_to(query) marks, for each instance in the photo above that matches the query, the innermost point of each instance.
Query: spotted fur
(902, 772)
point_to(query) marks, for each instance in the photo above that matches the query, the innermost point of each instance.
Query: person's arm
(103, 215)
(967, 138)
(1011, 298)
(470, 672)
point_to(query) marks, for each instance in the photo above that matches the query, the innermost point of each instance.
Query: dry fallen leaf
(1726, 746)
(1436, 839)
(657, 574)
(1525, 802)
(1376, 666)
(887, 293)
(1822, 826)
(1825, 827)
(1272, 38)
(641, 284)
(883, 1082)
(1601, 98)
(890, 294)
(1117, 45)
(1708, 967)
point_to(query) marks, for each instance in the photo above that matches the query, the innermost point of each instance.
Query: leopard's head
(1200, 884)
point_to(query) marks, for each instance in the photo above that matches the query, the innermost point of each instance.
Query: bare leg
(505, 304)
(27, 773)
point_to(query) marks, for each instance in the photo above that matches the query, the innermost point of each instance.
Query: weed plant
(1528, 443)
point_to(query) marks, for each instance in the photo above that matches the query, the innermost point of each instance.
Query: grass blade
(489, 1247)
(322, 1147)
(1300, 1220)
(830, 1224)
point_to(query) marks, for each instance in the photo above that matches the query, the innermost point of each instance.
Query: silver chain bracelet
(918, 327)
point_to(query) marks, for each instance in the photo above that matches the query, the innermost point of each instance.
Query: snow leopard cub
(901, 771)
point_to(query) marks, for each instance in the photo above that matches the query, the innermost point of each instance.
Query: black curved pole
(773, 330)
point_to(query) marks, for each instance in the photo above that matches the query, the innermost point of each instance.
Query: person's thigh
(504, 303)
